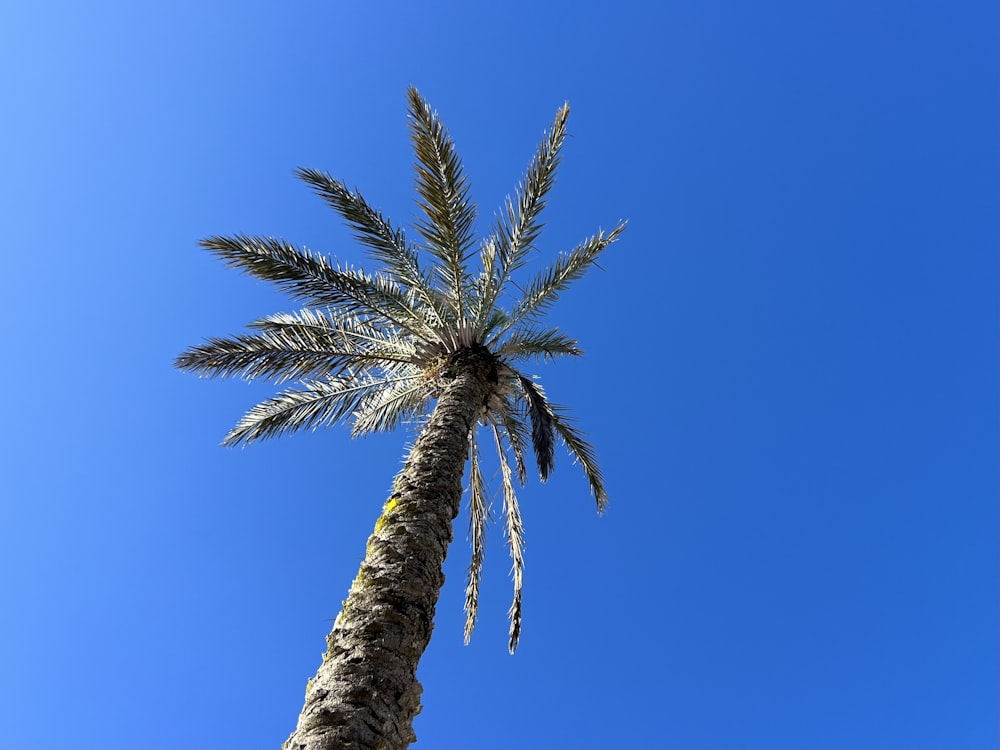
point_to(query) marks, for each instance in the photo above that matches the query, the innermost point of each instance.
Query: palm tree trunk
(366, 694)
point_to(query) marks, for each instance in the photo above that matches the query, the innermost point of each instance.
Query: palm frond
(310, 277)
(478, 516)
(457, 336)
(320, 403)
(514, 529)
(542, 438)
(261, 356)
(517, 226)
(506, 415)
(444, 199)
(301, 273)
(342, 331)
(529, 343)
(581, 451)
(387, 407)
(378, 296)
(386, 244)
(486, 320)
(293, 347)
(481, 288)
(568, 267)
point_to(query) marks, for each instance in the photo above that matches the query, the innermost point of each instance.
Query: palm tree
(426, 334)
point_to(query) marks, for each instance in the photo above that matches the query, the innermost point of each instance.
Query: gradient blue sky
(791, 371)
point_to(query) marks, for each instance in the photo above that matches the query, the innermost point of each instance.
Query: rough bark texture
(365, 694)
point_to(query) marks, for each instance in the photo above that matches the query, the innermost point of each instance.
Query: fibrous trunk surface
(365, 694)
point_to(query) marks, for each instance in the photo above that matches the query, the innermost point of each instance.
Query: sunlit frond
(516, 430)
(343, 332)
(404, 399)
(379, 297)
(260, 356)
(481, 292)
(320, 403)
(293, 347)
(457, 336)
(444, 199)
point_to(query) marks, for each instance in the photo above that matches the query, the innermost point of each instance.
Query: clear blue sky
(791, 371)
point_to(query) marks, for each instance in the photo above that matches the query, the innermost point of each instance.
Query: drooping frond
(444, 199)
(385, 244)
(568, 267)
(527, 343)
(478, 516)
(320, 403)
(514, 529)
(310, 277)
(581, 451)
(542, 438)
(517, 435)
(517, 225)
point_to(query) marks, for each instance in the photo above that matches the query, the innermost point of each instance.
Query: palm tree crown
(374, 349)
